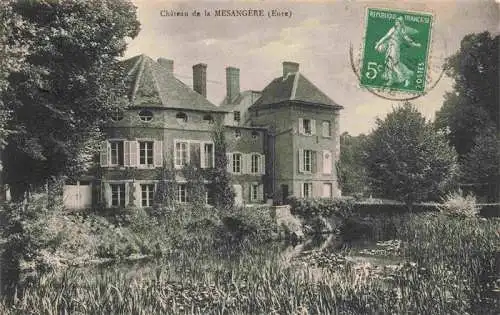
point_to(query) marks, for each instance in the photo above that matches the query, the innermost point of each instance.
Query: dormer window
(146, 115)
(181, 117)
(255, 134)
(208, 118)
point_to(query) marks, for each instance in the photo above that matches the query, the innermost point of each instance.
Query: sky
(317, 36)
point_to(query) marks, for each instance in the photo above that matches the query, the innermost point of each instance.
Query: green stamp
(396, 49)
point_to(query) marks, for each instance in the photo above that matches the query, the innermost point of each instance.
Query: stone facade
(168, 124)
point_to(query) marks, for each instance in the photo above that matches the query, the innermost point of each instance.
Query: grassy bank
(452, 268)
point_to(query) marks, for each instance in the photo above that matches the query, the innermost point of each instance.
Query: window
(307, 190)
(237, 162)
(208, 155)
(147, 194)
(117, 195)
(327, 132)
(181, 154)
(146, 153)
(182, 193)
(208, 118)
(254, 192)
(237, 133)
(308, 160)
(307, 126)
(255, 134)
(146, 115)
(327, 190)
(236, 116)
(181, 117)
(255, 166)
(116, 152)
(117, 115)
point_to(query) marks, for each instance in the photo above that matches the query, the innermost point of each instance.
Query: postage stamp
(396, 50)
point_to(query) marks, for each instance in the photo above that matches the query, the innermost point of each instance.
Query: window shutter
(137, 195)
(327, 162)
(301, 189)
(104, 154)
(301, 160)
(202, 155)
(107, 194)
(262, 164)
(313, 126)
(126, 153)
(229, 162)
(247, 158)
(158, 153)
(301, 126)
(314, 161)
(260, 193)
(133, 152)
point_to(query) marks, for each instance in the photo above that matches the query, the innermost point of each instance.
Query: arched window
(146, 115)
(181, 117)
(208, 118)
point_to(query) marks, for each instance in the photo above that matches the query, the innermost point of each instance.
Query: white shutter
(126, 153)
(262, 164)
(104, 154)
(313, 126)
(301, 126)
(327, 162)
(301, 160)
(137, 195)
(107, 194)
(229, 162)
(247, 163)
(301, 189)
(134, 148)
(202, 155)
(158, 153)
(260, 193)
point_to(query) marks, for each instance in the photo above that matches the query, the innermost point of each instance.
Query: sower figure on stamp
(396, 72)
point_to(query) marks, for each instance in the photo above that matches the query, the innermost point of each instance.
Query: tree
(480, 166)
(473, 105)
(352, 171)
(67, 88)
(407, 159)
(220, 187)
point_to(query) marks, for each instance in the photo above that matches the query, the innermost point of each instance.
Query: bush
(325, 207)
(455, 204)
(250, 222)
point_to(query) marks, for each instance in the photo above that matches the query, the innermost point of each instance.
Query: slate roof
(294, 87)
(152, 85)
(229, 106)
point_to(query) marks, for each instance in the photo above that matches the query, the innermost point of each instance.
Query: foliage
(407, 159)
(254, 222)
(325, 207)
(67, 87)
(166, 191)
(352, 172)
(255, 281)
(456, 204)
(472, 108)
(195, 185)
(481, 165)
(220, 187)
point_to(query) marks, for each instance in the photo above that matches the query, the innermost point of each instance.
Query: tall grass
(454, 261)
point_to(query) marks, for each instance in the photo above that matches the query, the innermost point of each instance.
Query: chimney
(200, 79)
(232, 83)
(290, 67)
(167, 64)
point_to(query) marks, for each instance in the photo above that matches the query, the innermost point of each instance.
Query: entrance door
(77, 196)
(238, 198)
(285, 193)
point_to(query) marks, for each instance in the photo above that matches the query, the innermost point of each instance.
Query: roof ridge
(138, 77)
(295, 84)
